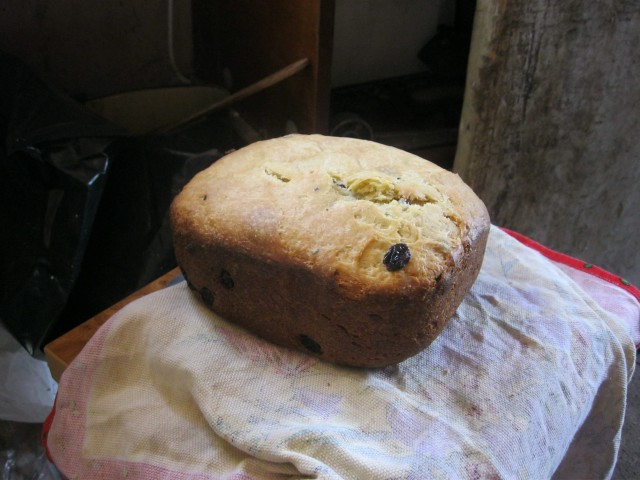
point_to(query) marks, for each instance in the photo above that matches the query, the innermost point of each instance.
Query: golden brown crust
(287, 237)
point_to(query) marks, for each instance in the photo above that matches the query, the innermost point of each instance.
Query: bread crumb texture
(335, 205)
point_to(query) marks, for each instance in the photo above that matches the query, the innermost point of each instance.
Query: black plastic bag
(131, 243)
(83, 218)
(53, 168)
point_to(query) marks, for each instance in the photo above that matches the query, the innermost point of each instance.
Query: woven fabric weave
(527, 380)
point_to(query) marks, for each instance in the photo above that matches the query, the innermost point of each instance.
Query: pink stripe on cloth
(612, 292)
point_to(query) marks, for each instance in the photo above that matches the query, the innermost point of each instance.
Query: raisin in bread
(349, 250)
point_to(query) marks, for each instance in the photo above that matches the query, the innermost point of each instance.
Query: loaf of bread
(346, 249)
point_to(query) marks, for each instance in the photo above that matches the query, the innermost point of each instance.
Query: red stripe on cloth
(576, 263)
(46, 426)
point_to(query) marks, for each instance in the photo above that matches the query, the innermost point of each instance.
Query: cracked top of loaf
(337, 206)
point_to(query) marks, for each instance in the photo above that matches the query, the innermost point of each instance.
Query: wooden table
(61, 351)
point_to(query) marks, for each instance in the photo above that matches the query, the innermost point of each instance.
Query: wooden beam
(549, 129)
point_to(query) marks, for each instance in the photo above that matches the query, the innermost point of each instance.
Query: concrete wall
(91, 49)
(550, 132)
(378, 39)
(97, 48)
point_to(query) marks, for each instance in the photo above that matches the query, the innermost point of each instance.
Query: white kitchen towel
(527, 381)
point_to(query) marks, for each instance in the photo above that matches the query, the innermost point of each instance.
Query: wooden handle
(260, 85)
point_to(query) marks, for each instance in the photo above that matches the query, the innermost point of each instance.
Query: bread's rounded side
(286, 238)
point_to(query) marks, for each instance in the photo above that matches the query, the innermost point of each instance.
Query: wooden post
(550, 130)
